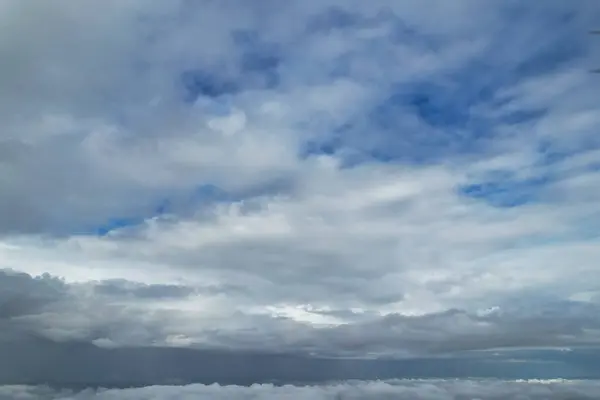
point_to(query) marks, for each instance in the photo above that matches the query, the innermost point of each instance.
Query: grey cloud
(67, 365)
(117, 288)
(433, 334)
(456, 330)
(317, 273)
(124, 288)
(21, 294)
(47, 307)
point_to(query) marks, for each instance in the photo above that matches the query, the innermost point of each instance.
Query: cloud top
(438, 390)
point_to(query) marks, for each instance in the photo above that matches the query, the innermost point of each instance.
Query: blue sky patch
(116, 224)
(507, 192)
(203, 195)
(259, 60)
(198, 83)
(255, 67)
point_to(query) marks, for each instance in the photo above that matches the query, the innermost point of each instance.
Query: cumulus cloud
(326, 178)
(438, 390)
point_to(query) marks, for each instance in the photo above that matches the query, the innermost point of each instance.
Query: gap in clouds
(255, 68)
(205, 196)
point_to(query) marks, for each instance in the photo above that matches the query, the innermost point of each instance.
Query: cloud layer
(325, 178)
(434, 390)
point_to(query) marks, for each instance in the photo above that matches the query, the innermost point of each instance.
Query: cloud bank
(317, 178)
(434, 390)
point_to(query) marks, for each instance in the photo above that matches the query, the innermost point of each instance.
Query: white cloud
(434, 389)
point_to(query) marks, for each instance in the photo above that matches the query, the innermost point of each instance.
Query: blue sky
(342, 179)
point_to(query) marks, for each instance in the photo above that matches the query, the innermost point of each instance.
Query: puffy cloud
(316, 177)
(434, 389)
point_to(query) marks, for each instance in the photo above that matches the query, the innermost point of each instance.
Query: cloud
(326, 178)
(124, 313)
(434, 389)
(23, 295)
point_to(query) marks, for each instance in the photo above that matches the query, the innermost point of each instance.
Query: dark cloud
(45, 344)
(120, 313)
(78, 365)
(21, 294)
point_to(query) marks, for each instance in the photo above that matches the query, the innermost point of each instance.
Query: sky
(349, 182)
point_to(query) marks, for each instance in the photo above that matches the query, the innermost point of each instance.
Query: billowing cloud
(324, 178)
(434, 389)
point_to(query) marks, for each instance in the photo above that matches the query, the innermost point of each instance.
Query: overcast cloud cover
(311, 178)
